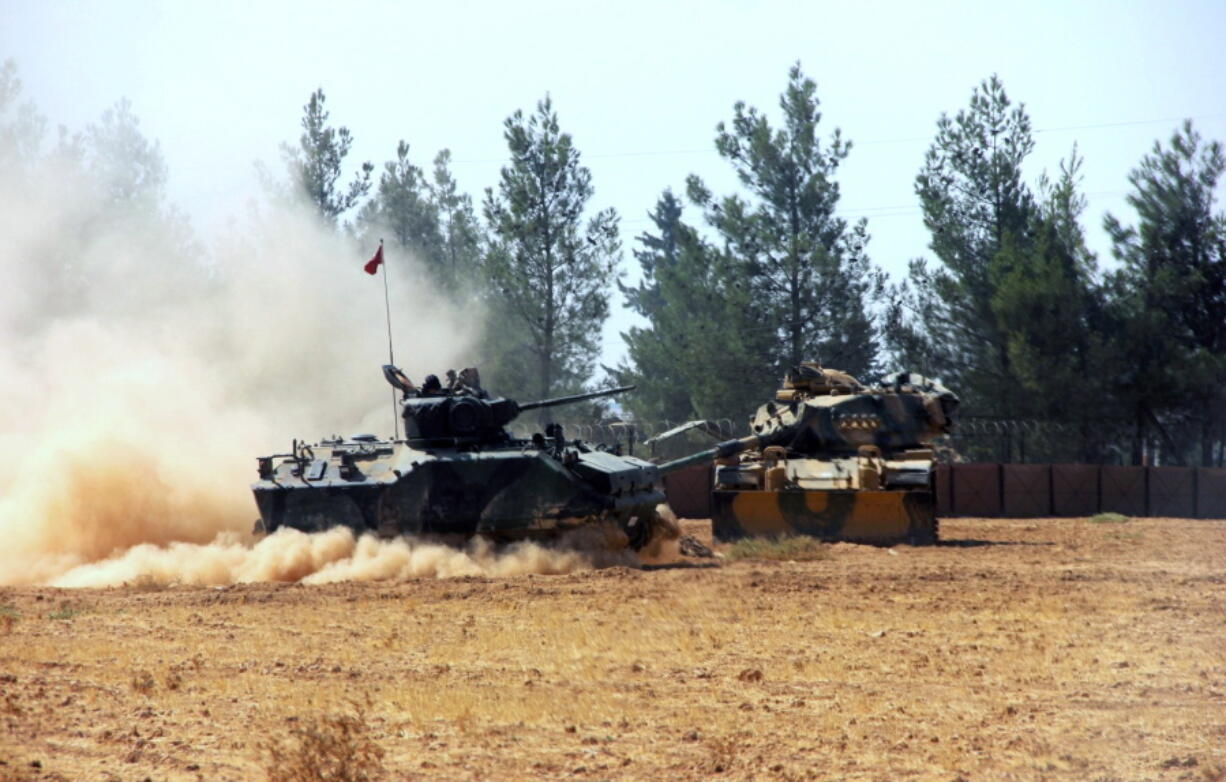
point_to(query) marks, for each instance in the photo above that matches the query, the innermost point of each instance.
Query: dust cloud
(142, 368)
(328, 557)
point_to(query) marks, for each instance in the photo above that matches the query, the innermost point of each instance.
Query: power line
(869, 142)
(1129, 123)
(896, 210)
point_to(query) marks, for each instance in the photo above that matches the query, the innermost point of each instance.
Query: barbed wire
(993, 426)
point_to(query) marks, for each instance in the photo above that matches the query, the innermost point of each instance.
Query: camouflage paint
(833, 459)
(878, 517)
(458, 474)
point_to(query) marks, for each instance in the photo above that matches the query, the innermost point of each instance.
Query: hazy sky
(640, 86)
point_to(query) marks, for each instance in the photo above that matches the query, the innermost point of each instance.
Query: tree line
(1122, 362)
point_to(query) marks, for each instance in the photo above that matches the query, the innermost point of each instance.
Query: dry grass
(1035, 649)
(786, 548)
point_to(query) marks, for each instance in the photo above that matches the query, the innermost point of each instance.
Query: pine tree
(1049, 305)
(1012, 314)
(714, 332)
(127, 166)
(549, 272)
(21, 127)
(979, 214)
(315, 165)
(402, 207)
(660, 394)
(689, 361)
(115, 224)
(805, 268)
(127, 173)
(658, 252)
(460, 230)
(427, 217)
(1171, 295)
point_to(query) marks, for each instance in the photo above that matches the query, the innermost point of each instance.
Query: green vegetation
(783, 279)
(8, 618)
(792, 548)
(1058, 357)
(1018, 318)
(549, 270)
(66, 611)
(1170, 298)
(1110, 518)
(1010, 313)
(426, 218)
(316, 164)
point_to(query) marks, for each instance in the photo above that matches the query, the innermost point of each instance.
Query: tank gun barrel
(781, 435)
(724, 449)
(566, 400)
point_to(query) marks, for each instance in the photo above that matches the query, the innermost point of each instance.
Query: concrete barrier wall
(1171, 491)
(689, 491)
(975, 490)
(1025, 490)
(1074, 489)
(944, 489)
(1030, 490)
(1211, 492)
(1083, 490)
(1122, 490)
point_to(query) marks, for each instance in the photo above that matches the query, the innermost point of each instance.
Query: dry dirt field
(1019, 649)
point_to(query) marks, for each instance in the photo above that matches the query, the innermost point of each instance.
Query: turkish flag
(372, 266)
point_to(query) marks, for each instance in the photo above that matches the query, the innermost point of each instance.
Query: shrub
(143, 682)
(1109, 518)
(335, 747)
(8, 618)
(799, 548)
(65, 612)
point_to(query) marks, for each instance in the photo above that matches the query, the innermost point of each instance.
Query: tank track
(926, 537)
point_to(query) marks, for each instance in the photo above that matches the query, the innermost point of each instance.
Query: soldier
(470, 382)
(431, 386)
(399, 380)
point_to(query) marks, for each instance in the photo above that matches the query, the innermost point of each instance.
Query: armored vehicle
(458, 472)
(834, 459)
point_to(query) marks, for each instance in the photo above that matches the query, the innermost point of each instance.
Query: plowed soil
(1019, 649)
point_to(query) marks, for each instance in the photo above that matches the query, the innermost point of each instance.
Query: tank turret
(902, 415)
(464, 417)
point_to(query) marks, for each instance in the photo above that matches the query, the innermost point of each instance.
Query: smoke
(142, 368)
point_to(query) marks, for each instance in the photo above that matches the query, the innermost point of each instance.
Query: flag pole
(391, 357)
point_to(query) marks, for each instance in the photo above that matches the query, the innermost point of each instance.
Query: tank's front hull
(881, 517)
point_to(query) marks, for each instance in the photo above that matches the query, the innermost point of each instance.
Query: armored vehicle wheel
(656, 528)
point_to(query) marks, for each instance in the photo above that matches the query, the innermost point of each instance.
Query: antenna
(391, 357)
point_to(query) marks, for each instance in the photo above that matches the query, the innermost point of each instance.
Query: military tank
(458, 473)
(834, 459)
